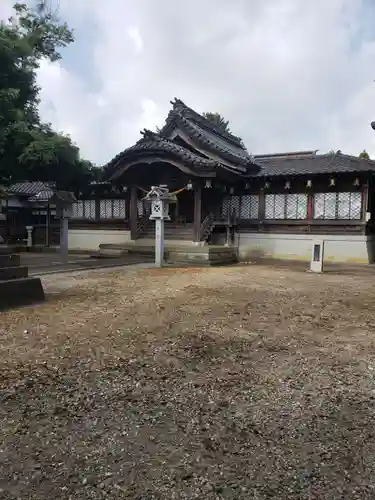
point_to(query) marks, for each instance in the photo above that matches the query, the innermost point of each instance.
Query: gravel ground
(237, 383)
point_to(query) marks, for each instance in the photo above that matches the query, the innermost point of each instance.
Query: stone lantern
(160, 199)
(64, 210)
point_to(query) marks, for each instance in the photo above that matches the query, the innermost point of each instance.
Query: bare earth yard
(237, 383)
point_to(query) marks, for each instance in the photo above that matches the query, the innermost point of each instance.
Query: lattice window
(286, 206)
(77, 210)
(249, 206)
(296, 206)
(84, 209)
(112, 209)
(106, 209)
(344, 206)
(140, 208)
(119, 209)
(235, 206)
(225, 207)
(244, 207)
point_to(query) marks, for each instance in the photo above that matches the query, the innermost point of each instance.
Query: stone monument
(16, 287)
(160, 199)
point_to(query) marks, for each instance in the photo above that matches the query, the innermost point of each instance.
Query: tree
(30, 149)
(218, 120)
(364, 155)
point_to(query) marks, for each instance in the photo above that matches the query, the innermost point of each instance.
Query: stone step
(9, 260)
(20, 292)
(9, 273)
(5, 250)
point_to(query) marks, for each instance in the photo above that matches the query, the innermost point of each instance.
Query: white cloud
(286, 74)
(135, 35)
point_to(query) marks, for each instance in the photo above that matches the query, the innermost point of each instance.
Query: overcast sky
(287, 74)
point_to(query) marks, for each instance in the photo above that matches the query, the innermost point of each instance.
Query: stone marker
(16, 287)
(64, 206)
(317, 256)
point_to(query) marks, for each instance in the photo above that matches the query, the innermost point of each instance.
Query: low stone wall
(337, 248)
(207, 255)
(90, 239)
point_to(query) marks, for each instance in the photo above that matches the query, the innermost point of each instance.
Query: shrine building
(270, 206)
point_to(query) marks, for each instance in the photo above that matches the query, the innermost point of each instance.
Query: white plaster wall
(90, 239)
(337, 248)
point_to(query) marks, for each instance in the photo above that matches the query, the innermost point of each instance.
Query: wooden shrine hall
(230, 202)
(197, 161)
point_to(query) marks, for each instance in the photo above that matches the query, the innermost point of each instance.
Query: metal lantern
(332, 182)
(266, 185)
(208, 183)
(287, 185)
(309, 183)
(356, 182)
(189, 185)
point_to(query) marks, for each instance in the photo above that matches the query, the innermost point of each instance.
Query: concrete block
(9, 260)
(10, 273)
(20, 292)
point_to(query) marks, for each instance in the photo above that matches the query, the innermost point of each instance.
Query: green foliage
(364, 155)
(218, 120)
(29, 149)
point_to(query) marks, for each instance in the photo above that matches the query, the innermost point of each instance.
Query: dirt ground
(239, 383)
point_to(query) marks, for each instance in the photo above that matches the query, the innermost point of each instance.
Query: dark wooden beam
(197, 211)
(133, 212)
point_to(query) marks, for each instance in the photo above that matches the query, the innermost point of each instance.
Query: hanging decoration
(208, 184)
(332, 182)
(309, 183)
(231, 190)
(287, 185)
(189, 185)
(356, 182)
(266, 185)
(247, 185)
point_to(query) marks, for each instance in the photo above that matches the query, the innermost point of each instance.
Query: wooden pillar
(197, 212)
(48, 220)
(97, 209)
(262, 206)
(365, 201)
(133, 213)
(310, 206)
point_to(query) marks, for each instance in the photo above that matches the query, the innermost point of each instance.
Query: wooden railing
(142, 224)
(207, 227)
(232, 218)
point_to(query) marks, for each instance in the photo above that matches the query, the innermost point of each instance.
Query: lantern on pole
(160, 199)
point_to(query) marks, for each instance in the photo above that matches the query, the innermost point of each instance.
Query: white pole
(159, 242)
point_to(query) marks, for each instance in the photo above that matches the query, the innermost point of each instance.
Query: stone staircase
(172, 231)
(16, 287)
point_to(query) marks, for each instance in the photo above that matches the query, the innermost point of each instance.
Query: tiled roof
(42, 196)
(336, 163)
(28, 188)
(207, 134)
(228, 151)
(64, 196)
(181, 109)
(152, 144)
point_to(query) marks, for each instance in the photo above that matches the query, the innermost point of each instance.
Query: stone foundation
(16, 288)
(183, 254)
